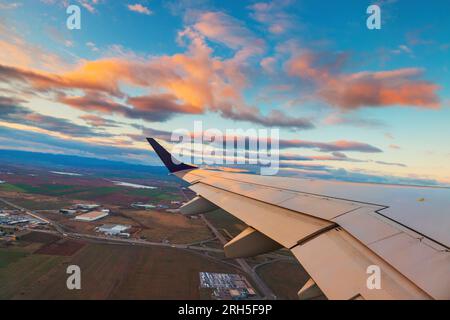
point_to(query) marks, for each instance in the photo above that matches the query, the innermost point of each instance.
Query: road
(60, 230)
(268, 294)
(287, 259)
(34, 215)
(112, 240)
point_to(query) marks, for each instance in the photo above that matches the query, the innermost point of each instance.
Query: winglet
(167, 159)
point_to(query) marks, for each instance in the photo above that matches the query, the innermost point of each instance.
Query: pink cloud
(273, 15)
(139, 8)
(401, 87)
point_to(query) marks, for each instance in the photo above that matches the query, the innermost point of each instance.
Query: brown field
(284, 278)
(35, 202)
(120, 272)
(61, 248)
(158, 226)
(39, 237)
(152, 225)
(25, 273)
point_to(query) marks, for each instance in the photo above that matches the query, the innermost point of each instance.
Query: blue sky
(310, 68)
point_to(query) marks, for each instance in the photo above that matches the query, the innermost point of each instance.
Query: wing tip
(167, 158)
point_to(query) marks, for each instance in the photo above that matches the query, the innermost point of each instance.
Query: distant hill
(58, 161)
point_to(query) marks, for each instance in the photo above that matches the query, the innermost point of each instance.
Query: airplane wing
(356, 241)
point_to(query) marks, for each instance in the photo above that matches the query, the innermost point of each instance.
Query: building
(144, 206)
(67, 211)
(115, 230)
(227, 286)
(92, 216)
(84, 206)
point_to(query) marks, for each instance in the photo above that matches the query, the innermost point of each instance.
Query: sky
(350, 103)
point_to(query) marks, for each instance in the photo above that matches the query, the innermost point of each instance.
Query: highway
(34, 215)
(113, 240)
(268, 294)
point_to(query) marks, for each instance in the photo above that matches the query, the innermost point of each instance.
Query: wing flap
(284, 226)
(338, 264)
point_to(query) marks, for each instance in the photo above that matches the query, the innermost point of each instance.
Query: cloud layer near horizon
(220, 66)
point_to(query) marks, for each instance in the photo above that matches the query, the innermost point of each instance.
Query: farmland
(108, 272)
(34, 266)
(280, 276)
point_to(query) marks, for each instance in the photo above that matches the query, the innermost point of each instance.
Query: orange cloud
(364, 89)
(192, 82)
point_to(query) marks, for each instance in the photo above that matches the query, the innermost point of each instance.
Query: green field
(39, 204)
(91, 193)
(11, 187)
(8, 256)
(21, 270)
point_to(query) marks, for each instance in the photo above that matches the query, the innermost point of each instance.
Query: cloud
(335, 156)
(92, 101)
(403, 49)
(139, 8)
(92, 46)
(273, 15)
(400, 87)
(39, 142)
(341, 145)
(89, 5)
(158, 107)
(396, 164)
(11, 111)
(335, 148)
(10, 6)
(194, 82)
(274, 119)
(268, 64)
(16, 51)
(96, 121)
(153, 108)
(341, 119)
(328, 173)
(150, 133)
(222, 28)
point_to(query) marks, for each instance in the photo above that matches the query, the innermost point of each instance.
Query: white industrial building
(92, 216)
(114, 229)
